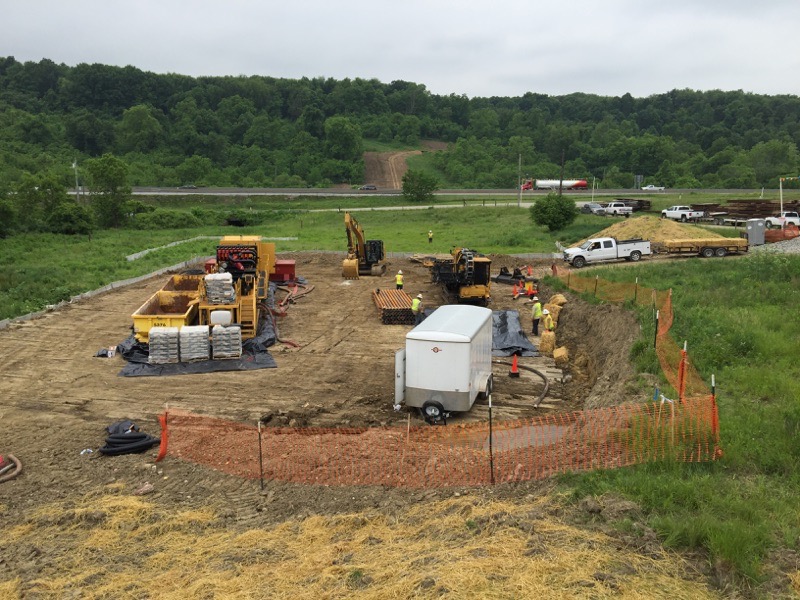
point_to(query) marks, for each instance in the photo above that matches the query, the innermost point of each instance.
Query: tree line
(171, 129)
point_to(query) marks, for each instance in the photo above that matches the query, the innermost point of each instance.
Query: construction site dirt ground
(58, 398)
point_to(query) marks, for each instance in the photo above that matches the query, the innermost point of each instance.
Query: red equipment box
(284, 271)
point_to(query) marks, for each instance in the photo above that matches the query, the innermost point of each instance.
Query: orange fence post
(682, 374)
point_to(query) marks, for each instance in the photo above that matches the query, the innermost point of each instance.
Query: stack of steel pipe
(395, 307)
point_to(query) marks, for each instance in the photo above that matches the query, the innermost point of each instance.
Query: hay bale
(547, 343)
(558, 299)
(555, 310)
(561, 356)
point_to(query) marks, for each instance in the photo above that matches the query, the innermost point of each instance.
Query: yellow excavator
(364, 257)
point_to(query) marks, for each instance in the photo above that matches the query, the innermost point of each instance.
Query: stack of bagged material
(219, 288)
(163, 345)
(226, 342)
(195, 344)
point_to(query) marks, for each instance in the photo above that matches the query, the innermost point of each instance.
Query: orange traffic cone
(530, 270)
(516, 292)
(514, 372)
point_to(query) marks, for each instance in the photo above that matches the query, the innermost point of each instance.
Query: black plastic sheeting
(254, 356)
(507, 335)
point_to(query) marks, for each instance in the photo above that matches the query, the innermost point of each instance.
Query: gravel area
(785, 247)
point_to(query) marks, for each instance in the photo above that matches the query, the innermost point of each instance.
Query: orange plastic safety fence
(675, 364)
(424, 456)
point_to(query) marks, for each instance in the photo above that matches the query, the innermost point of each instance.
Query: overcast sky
(477, 48)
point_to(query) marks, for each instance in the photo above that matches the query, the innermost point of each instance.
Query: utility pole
(77, 192)
(519, 181)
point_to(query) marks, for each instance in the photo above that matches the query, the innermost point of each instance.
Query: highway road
(349, 192)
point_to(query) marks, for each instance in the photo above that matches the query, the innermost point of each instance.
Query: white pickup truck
(617, 209)
(682, 213)
(606, 248)
(653, 188)
(785, 218)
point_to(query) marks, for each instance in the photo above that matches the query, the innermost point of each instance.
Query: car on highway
(653, 188)
(368, 186)
(592, 208)
(187, 187)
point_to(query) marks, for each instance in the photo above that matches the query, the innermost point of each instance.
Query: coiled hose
(540, 374)
(12, 473)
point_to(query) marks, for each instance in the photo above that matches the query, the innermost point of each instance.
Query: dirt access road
(386, 169)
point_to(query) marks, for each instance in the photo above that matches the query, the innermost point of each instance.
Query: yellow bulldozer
(364, 257)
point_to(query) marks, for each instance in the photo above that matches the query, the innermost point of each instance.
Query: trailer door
(400, 376)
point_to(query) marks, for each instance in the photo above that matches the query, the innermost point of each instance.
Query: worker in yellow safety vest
(417, 309)
(549, 324)
(398, 280)
(536, 314)
(430, 236)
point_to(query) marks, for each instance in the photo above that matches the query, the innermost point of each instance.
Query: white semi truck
(447, 362)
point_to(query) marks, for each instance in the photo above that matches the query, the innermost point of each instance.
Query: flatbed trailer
(706, 247)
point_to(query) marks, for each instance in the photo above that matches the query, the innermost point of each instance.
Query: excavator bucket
(350, 268)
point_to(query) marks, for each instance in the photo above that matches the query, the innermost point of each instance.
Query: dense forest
(169, 130)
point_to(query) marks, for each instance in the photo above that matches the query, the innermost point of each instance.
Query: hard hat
(536, 297)
(400, 272)
(545, 312)
(419, 295)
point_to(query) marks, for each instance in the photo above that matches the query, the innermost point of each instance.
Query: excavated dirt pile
(653, 229)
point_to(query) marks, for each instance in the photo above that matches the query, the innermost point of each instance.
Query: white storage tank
(447, 361)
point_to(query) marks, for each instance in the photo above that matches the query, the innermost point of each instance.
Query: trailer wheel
(578, 262)
(721, 252)
(433, 411)
(635, 256)
(707, 252)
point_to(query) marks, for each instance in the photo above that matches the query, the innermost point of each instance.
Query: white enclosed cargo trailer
(447, 361)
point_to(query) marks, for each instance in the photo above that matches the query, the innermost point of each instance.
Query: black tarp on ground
(254, 356)
(508, 337)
